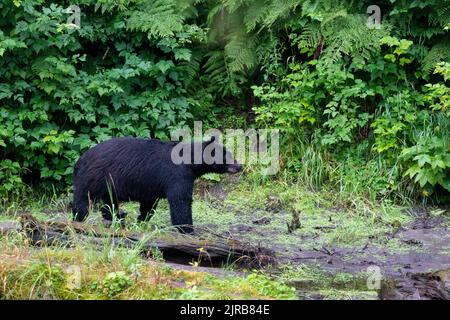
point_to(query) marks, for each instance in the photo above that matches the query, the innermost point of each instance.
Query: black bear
(146, 170)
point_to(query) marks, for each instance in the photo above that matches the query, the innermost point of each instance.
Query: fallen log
(204, 247)
(9, 226)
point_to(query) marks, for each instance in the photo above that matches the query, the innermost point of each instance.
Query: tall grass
(310, 164)
(359, 174)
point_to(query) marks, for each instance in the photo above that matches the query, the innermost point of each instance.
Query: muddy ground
(324, 250)
(413, 258)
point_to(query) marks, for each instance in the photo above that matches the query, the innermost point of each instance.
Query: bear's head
(205, 157)
(208, 157)
(217, 159)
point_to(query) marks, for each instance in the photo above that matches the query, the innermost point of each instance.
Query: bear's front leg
(180, 202)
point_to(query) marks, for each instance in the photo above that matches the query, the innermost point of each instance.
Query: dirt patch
(428, 249)
(423, 248)
(421, 286)
(206, 189)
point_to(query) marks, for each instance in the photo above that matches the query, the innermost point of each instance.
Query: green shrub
(348, 99)
(428, 160)
(360, 109)
(64, 88)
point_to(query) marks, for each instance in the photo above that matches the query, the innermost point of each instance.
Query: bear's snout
(235, 168)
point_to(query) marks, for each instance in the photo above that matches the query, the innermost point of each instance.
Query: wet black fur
(133, 169)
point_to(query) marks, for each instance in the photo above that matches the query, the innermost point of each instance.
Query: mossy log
(206, 248)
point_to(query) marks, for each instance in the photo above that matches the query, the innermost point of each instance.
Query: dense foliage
(360, 104)
(363, 108)
(64, 87)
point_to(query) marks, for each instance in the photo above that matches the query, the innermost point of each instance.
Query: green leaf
(182, 54)
(164, 65)
(390, 57)
(422, 159)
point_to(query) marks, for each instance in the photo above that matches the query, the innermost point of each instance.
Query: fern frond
(345, 34)
(280, 10)
(255, 14)
(158, 18)
(441, 14)
(439, 52)
(218, 73)
(191, 68)
(311, 34)
(240, 50)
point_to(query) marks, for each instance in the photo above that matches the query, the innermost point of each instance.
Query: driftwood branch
(210, 249)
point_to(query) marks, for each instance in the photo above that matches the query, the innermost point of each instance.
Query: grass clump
(114, 273)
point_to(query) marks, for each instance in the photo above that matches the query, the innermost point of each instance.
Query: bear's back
(124, 151)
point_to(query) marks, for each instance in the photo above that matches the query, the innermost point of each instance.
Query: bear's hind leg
(109, 208)
(80, 209)
(106, 212)
(147, 209)
(80, 212)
